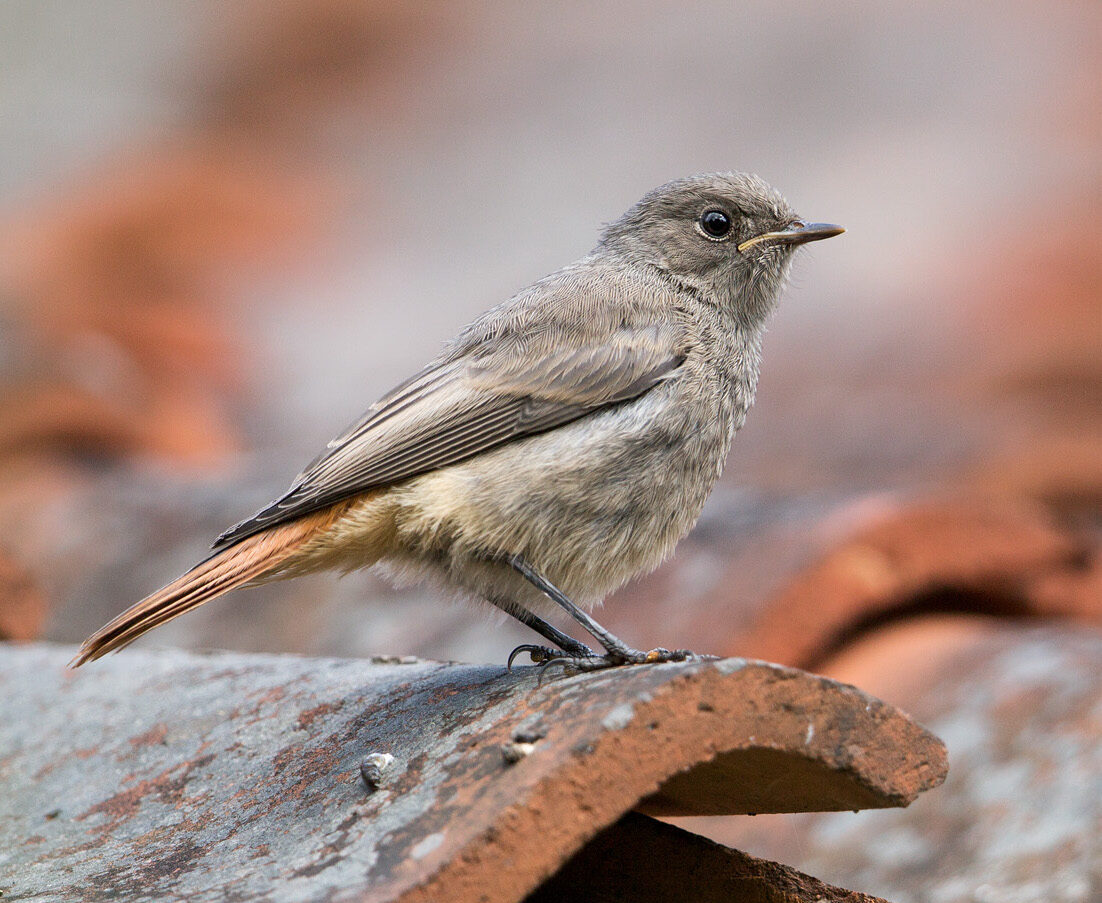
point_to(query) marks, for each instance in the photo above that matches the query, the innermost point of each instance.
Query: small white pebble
(374, 767)
(514, 752)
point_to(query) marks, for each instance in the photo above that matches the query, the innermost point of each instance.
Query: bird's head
(728, 235)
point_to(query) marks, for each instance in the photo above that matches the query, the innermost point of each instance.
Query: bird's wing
(459, 408)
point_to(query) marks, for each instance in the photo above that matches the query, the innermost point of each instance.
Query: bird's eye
(714, 224)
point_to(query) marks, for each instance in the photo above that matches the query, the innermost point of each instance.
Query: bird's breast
(591, 503)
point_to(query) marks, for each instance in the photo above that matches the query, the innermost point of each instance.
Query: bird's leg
(542, 654)
(617, 651)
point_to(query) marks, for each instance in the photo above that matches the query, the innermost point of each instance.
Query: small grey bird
(562, 443)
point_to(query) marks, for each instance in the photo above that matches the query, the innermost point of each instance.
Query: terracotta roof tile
(1019, 708)
(173, 773)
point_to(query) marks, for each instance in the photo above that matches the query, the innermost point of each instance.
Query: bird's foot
(544, 655)
(629, 656)
(572, 663)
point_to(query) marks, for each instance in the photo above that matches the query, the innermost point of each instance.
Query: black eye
(714, 223)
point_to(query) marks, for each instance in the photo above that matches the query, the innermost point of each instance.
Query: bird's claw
(540, 655)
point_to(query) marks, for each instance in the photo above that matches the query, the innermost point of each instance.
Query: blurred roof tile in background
(22, 604)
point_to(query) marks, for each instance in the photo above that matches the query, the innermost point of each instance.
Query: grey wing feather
(391, 404)
(456, 409)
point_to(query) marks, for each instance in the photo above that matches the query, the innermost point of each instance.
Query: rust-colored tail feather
(248, 560)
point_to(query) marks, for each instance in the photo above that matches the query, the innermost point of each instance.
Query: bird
(561, 444)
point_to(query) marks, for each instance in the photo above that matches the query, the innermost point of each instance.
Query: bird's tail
(249, 560)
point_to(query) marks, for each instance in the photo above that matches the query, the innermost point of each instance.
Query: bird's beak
(796, 234)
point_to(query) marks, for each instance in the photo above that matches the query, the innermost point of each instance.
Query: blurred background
(225, 229)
